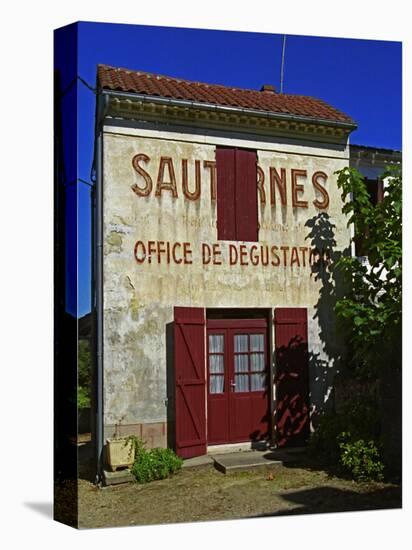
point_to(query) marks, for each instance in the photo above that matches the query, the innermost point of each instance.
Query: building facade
(218, 217)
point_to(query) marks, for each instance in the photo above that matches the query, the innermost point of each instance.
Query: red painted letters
(285, 187)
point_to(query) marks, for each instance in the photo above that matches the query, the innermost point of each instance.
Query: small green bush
(83, 397)
(323, 443)
(155, 464)
(360, 458)
(348, 440)
(83, 374)
(137, 445)
(359, 417)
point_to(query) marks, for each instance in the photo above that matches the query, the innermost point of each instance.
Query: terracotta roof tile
(124, 80)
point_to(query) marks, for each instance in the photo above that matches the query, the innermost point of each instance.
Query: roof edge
(350, 126)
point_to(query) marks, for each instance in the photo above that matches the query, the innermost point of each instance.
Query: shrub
(360, 417)
(324, 443)
(360, 458)
(83, 397)
(83, 374)
(348, 440)
(155, 464)
(362, 414)
(137, 445)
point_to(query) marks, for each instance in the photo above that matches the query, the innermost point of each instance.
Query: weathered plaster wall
(139, 297)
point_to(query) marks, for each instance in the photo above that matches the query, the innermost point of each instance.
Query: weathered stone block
(154, 435)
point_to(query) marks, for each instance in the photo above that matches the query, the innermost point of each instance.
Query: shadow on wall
(328, 361)
(299, 388)
(292, 393)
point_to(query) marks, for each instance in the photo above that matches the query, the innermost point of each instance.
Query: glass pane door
(216, 363)
(249, 362)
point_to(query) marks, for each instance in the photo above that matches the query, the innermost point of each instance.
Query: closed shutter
(380, 191)
(375, 190)
(190, 380)
(246, 196)
(291, 377)
(225, 193)
(237, 207)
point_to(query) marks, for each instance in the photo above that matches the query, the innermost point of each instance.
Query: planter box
(120, 453)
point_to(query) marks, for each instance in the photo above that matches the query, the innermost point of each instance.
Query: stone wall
(141, 287)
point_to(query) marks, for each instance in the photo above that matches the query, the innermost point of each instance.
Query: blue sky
(363, 78)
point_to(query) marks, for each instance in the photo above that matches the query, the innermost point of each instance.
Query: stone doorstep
(248, 460)
(228, 462)
(197, 461)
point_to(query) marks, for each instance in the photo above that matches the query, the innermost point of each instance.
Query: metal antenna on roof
(282, 66)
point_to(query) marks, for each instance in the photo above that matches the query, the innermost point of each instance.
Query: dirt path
(203, 493)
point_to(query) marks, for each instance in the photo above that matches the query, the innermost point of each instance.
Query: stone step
(115, 478)
(197, 461)
(247, 460)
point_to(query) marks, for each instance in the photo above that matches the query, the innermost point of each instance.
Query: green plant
(83, 398)
(137, 445)
(371, 309)
(360, 458)
(359, 416)
(155, 464)
(323, 443)
(169, 458)
(83, 374)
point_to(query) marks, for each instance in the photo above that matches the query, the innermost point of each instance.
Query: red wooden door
(237, 381)
(218, 385)
(291, 377)
(189, 364)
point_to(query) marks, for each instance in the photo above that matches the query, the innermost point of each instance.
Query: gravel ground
(202, 493)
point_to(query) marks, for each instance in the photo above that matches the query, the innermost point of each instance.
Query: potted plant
(120, 451)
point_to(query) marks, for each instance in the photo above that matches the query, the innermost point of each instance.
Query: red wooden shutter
(225, 193)
(291, 376)
(246, 196)
(375, 190)
(190, 379)
(237, 207)
(380, 191)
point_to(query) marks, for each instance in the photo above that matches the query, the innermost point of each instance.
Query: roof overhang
(143, 107)
(372, 162)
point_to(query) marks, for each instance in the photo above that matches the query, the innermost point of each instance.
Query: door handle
(233, 384)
